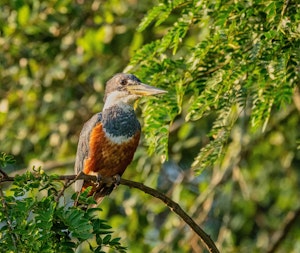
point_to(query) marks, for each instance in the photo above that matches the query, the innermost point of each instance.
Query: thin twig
(280, 235)
(3, 173)
(175, 207)
(65, 186)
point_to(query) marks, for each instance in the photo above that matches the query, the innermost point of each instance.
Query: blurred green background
(229, 125)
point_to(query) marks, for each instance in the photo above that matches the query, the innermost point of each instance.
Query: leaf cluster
(33, 219)
(6, 159)
(227, 60)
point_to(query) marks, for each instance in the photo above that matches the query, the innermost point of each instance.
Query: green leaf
(151, 15)
(6, 159)
(23, 15)
(106, 239)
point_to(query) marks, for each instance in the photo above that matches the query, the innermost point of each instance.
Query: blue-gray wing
(83, 147)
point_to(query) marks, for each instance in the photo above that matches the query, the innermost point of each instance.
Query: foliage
(229, 125)
(6, 159)
(34, 218)
(245, 58)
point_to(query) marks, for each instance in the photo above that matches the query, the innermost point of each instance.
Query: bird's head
(126, 88)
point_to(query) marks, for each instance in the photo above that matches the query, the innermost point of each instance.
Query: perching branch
(175, 207)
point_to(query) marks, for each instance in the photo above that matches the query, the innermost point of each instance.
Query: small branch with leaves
(174, 207)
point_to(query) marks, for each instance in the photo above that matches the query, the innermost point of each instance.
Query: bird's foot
(108, 181)
(117, 180)
(98, 180)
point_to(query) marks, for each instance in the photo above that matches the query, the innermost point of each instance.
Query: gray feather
(83, 147)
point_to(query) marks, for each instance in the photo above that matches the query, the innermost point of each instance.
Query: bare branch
(176, 209)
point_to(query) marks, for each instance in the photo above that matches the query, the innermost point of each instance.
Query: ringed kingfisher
(109, 139)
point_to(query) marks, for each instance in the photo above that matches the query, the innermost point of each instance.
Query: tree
(228, 127)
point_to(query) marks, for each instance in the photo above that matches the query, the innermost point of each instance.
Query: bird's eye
(123, 82)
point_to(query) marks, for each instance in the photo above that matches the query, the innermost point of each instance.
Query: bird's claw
(114, 180)
(117, 180)
(98, 180)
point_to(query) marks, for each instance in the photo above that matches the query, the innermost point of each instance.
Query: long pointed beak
(142, 89)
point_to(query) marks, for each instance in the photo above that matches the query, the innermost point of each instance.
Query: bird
(109, 139)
